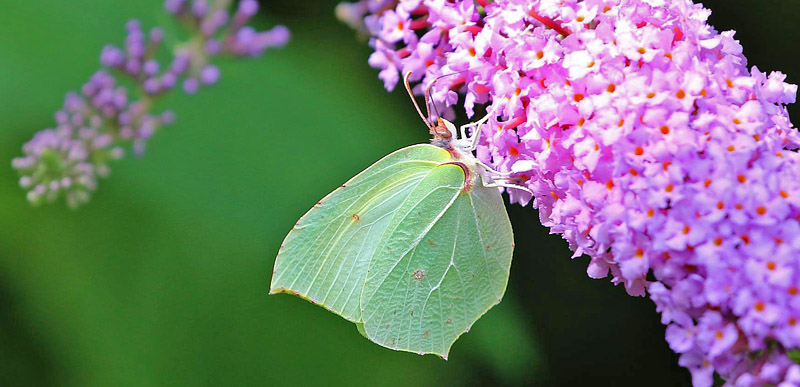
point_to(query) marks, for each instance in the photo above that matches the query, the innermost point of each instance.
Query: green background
(163, 278)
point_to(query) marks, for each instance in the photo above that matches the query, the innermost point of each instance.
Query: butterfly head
(443, 131)
(445, 135)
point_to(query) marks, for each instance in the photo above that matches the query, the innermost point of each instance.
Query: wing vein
(336, 234)
(424, 232)
(354, 200)
(482, 247)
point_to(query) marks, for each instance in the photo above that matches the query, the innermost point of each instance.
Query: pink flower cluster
(96, 125)
(648, 145)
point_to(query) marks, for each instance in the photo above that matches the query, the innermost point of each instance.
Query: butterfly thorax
(445, 137)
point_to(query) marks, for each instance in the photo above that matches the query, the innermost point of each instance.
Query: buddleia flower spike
(106, 120)
(648, 144)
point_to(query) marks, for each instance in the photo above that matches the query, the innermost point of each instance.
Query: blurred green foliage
(163, 278)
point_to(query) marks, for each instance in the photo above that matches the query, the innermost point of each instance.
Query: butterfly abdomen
(468, 175)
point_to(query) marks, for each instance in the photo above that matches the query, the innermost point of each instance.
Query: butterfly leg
(492, 170)
(476, 135)
(504, 185)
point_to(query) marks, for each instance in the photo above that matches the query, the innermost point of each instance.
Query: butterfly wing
(428, 283)
(325, 257)
(403, 251)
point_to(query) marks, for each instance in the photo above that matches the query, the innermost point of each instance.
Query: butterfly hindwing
(423, 298)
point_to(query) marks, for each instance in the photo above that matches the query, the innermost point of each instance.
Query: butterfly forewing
(424, 297)
(326, 255)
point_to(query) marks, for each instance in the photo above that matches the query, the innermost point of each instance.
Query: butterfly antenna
(429, 99)
(414, 100)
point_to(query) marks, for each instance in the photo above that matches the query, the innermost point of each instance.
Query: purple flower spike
(190, 85)
(152, 86)
(248, 7)
(98, 124)
(133, 26)
(648, 145)
(246, 10)
(174, 6)
(151, 67)
(168, 80)
(156, 35)
(214, 22)
(199, 8)
(167, 117)
(278, 36)
(209, 75)
(248, 42)
(112, 57)
(181, 62)
(213, 47)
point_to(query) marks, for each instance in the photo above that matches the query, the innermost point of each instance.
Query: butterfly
(413, 250)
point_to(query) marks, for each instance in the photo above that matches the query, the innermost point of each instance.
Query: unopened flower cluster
(648, 145)
(103, 120)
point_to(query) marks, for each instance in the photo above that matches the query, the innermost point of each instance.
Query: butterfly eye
(440, 130)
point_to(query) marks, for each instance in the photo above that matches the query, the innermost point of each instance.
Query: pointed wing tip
(444, 355)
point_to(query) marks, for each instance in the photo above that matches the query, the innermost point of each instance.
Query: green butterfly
(414, 249)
